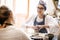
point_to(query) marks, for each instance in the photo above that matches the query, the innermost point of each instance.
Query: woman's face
(40, 9)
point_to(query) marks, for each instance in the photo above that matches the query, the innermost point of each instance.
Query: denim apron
(43, 30)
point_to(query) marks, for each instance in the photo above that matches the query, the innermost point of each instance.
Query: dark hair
(7, 13)
(43, 4)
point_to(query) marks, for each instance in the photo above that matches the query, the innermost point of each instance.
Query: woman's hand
(34, 27)
(40, 26)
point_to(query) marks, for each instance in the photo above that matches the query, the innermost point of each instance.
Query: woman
(7, 30)
(42, 23)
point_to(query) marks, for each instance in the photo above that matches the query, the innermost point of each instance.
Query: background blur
(24, 9)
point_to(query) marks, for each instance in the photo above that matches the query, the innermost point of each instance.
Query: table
(39, 37)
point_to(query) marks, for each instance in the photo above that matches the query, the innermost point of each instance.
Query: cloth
(43, 30)
(49, 20)
(12, 33)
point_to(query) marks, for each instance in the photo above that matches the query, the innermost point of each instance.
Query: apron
(43, 30)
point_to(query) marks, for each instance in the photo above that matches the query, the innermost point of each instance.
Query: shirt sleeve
(53, 24)
(29, 21)
(50, 21)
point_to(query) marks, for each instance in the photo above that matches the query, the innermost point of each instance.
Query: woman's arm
(42, 26)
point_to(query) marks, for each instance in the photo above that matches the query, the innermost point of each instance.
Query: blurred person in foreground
(7, 30)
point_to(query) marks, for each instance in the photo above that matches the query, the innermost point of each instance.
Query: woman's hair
(42, 3)
(8, 14)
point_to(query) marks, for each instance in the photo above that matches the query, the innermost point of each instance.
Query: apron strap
(43, 30)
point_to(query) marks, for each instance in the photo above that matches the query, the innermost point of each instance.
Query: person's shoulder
(30, 18)
(14, 28)
(16, 31)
